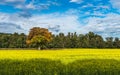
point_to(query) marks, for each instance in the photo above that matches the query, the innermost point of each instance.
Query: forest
(71, 40)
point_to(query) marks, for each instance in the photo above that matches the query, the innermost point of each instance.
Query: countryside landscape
(60, 37)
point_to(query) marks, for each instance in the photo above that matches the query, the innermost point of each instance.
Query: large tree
(39, 37)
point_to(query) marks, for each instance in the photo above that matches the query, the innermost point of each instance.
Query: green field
(65, 55)
(60, 62)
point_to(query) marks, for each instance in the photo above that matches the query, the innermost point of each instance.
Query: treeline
(89, 40)
(12, 40)
(71, 40)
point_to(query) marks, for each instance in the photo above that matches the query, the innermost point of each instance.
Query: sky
(81, 16)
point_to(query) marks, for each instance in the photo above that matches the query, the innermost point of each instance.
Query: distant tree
(74, 40)
(57, 42)
(68, 40)
(90, 40)
(14, 40)
(52, 43)
(81, 41)
(100, 43)
(93, 40)
(116, 43)
(4, 41)
(109, 42)
(21, 41)
(39, 37)
(61, 40)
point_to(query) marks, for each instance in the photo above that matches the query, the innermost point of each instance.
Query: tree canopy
(39, 37)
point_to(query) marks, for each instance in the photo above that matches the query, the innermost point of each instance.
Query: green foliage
(94, 67)
(44, 39)
(31, 67)
(12, 40)
(116, 43)
(50, 67)
(109, 42)
(74, 40)
(39, 37)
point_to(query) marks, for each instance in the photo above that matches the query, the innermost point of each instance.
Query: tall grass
(50, 67)
(94, 67)
(31, 67)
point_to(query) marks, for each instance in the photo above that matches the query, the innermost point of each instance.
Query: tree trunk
(39, 48)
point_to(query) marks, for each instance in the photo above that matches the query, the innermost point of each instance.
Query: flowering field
(65, 55)
(73, 62)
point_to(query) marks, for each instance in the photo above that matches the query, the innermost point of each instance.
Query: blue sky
(81, 16)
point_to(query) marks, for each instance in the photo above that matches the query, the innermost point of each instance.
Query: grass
(50, 67)
(31, 67)
(65, 55)
(72, 62)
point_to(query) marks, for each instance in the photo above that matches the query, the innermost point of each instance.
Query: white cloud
(32, 5)
(76, 1)
(97, 13)
(14, 0)
(66, 23)
(15, 3)
(115, 3)
(5, 27)
(108, 26)
(11, 2)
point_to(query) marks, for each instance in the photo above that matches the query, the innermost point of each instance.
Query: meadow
(60, 62)
(64, 55)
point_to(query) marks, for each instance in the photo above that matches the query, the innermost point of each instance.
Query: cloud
(54, 28)
(10, 28)
(39, 5)
(24, 14)
(115, 3)
(94, 8)
(107, 26)
(56, 22)
(32, 5)
(14, 3)
(76, 1)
